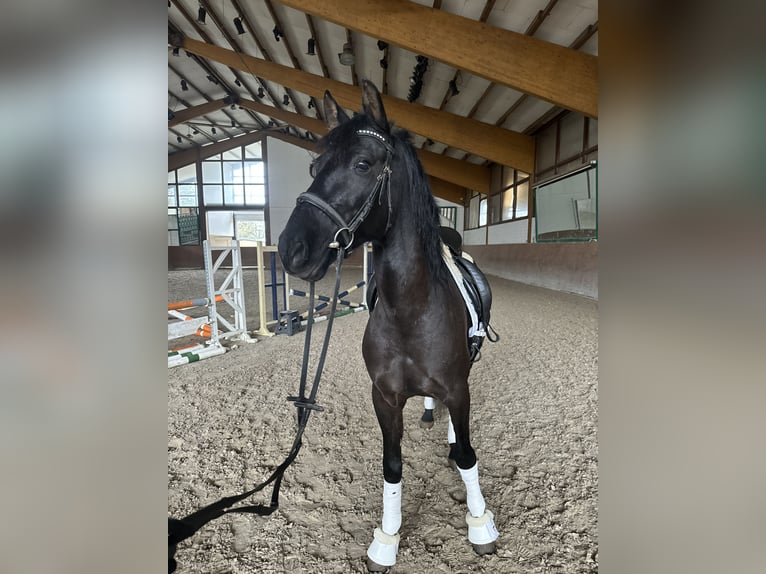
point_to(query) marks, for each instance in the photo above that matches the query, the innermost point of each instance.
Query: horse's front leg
(382, 552)
(482, 533)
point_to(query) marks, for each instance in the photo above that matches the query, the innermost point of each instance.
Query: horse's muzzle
(300, 260)
(295, 254)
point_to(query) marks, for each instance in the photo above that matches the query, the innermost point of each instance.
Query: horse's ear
(333, 113)
(373, 104)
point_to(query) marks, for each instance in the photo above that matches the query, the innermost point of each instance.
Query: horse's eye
(362, 166)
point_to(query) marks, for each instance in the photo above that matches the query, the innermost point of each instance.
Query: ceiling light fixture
(286, 99)
(237, 82)
(311, 104)
(311, 47)
(238, 25)
(453, 88)
(346, 57)
(184, 86)
(277, 33)
(178, 139)
(213, 79)
(213, 130)
(201, 13)
(382, 45)
(260, 93)
(384, 63)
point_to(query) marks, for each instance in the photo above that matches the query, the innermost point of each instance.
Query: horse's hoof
(373, 566)
(426, 424)
(484, 549)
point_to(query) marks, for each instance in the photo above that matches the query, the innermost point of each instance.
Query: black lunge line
(183, 528)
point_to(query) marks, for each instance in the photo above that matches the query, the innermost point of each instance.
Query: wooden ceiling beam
(497, 144)
(182, 116)
(305, 144)
(457, 172)
(554, 73)
(297, 120)
(467, 175)
(180, 159)
(464, 174)
(446, 190)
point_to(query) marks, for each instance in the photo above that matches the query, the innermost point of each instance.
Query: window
(495, 208)
(183, 206)
(515, 195)
(473, 212)
(508, 200)
(567, 207)
(235, 178)
(230, 196)
(247, 226)
(448, 216)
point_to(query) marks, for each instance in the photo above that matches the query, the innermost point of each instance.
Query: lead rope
(181, 529)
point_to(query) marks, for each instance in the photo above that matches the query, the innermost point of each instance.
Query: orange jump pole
(201, 302)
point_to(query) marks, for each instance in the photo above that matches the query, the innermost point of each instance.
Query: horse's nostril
(298, 253)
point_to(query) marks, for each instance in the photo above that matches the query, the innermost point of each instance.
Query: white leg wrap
(474, 498)
(450, 432)
(384, 548)
(481, 530)
(392, 508)
(429, 403)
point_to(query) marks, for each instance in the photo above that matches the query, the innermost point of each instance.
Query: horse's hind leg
(481, 525)
(427, 419)
(382, 552)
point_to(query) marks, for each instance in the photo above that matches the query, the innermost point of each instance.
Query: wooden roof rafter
(484, 140)
(554, 73)
(530, 31)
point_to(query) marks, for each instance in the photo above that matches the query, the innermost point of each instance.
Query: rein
(181, 529)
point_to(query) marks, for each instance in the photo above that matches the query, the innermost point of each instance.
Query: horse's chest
(413, 346)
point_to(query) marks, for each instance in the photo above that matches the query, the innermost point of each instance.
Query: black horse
(369, 186)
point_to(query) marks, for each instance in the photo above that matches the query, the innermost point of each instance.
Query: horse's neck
(401, 270)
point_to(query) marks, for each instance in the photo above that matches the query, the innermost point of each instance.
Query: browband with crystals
(378, 136)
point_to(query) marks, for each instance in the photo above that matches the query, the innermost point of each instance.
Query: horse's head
(349, 201)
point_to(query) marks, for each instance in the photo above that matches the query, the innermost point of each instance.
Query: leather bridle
(346, 230)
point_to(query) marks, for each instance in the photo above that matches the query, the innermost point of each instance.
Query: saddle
(474, 287)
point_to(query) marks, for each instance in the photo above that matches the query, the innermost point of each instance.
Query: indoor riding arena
(261, 201)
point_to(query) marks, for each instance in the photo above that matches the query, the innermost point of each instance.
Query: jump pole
(193, 355)
(337, 314)
(189, 303)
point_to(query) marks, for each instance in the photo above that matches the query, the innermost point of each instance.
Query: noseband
(346, 230)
